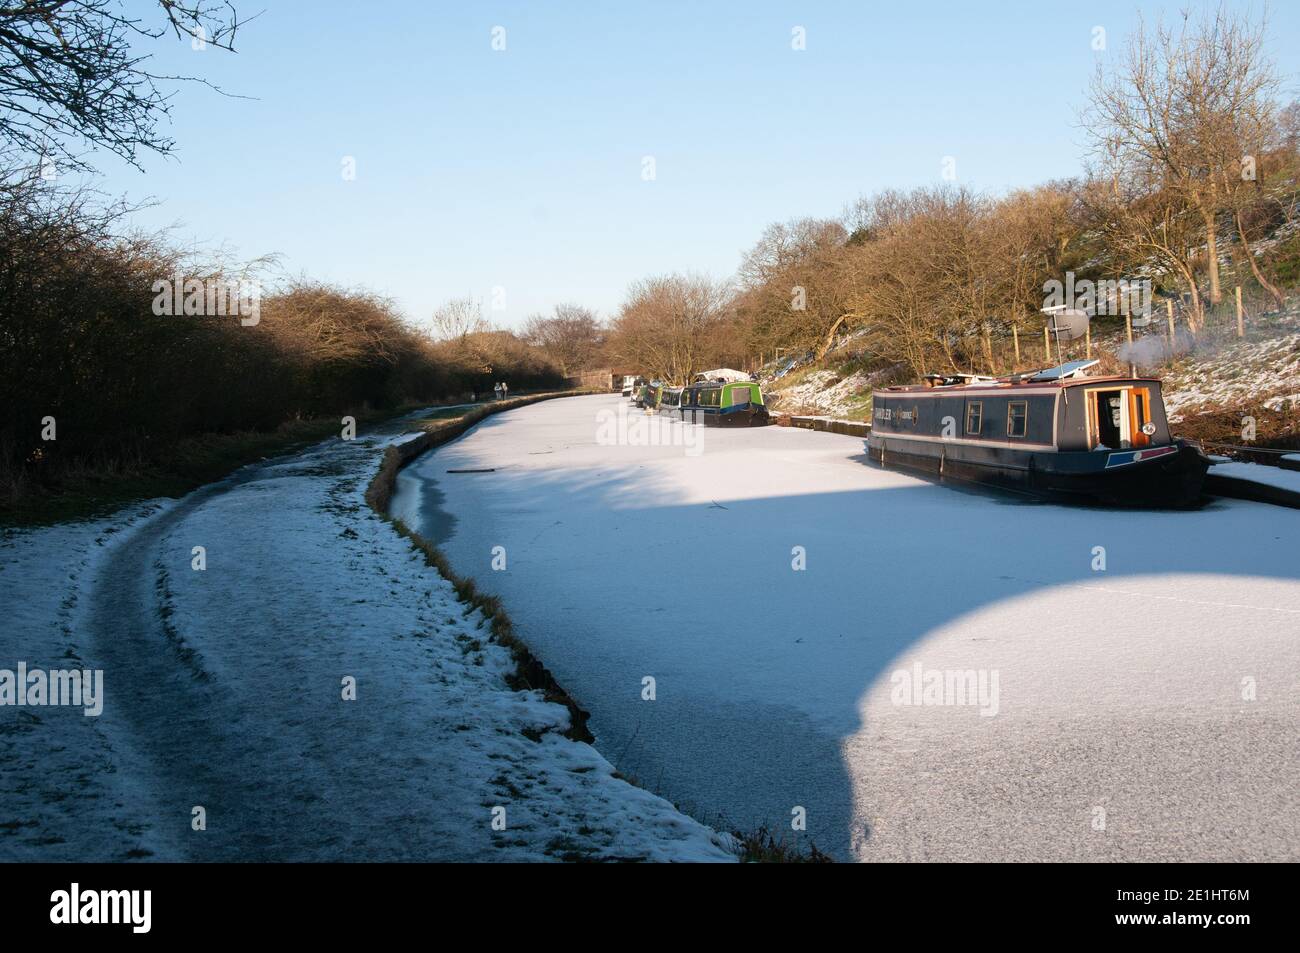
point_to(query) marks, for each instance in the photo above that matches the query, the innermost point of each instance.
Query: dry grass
(529, 673)
(761, 846)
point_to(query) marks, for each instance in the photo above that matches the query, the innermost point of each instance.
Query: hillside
(1212, 380)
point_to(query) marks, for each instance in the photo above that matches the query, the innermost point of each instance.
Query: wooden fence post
(1241, 316)
(1169, 306)
(1015, 339)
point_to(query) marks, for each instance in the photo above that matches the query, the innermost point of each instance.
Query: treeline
(1192, 168)
(96, 378)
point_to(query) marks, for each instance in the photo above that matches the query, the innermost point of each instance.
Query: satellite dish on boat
(1067, 323)
(1066, 370)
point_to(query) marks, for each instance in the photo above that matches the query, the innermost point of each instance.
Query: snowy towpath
(1147, 710)
(224, 690)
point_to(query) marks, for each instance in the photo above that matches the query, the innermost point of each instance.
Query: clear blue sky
(522, 168)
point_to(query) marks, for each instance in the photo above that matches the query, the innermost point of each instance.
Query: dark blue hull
(1169, 476)
(751, 416)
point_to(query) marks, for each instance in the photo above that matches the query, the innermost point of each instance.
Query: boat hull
(1168, 476)
(712, 417)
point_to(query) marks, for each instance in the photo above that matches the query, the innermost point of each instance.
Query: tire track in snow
(168, 717)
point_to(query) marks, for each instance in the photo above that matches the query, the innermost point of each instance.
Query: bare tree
(668, 324)
(1030, 232)
(1184, 110)
(572, 336)
(1142, 225)
(69, 73)
(794, 283)
(458, 319)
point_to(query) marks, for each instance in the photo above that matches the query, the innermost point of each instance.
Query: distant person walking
(498, 390)
(505, 390)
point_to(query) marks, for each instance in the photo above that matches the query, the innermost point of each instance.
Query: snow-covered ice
(1260, 473)
(1144, 710)
(224, 690)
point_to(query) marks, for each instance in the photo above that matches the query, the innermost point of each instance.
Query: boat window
(739, 395)
(1016, 416)
(974, 416)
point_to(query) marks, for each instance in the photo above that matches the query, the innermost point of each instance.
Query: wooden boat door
(1110, 422)
(1119, 417)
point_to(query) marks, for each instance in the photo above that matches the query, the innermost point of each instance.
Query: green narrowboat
(724, 404)
(647, 396)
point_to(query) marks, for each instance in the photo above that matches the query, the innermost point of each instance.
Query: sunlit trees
(796, 284)
(1187, 112)
(572, 336)
(83, 344)
(668, 326)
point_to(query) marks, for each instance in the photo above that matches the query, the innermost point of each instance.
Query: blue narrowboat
(1056, 433)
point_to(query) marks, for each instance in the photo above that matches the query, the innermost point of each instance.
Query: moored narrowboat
(1053, 433)
(670, 401)
(724, 404)
(647, 395)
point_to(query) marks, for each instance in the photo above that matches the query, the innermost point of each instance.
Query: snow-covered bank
(1145, 704)
(225, 689)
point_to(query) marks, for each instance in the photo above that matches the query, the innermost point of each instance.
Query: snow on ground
(1144, 711)
(60, 791)
(1213, 369)
(1258, 473)
(1284, 402)
(1234, 374)
(824, 390)
(223, 689)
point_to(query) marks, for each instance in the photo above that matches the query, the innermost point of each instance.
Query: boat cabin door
(1118, 418)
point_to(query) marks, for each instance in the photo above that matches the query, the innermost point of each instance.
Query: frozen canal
(951, 676)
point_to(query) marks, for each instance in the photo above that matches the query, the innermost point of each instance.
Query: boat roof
(1066, 370)
(703, 384)
(1018, 382)
(727, 374)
